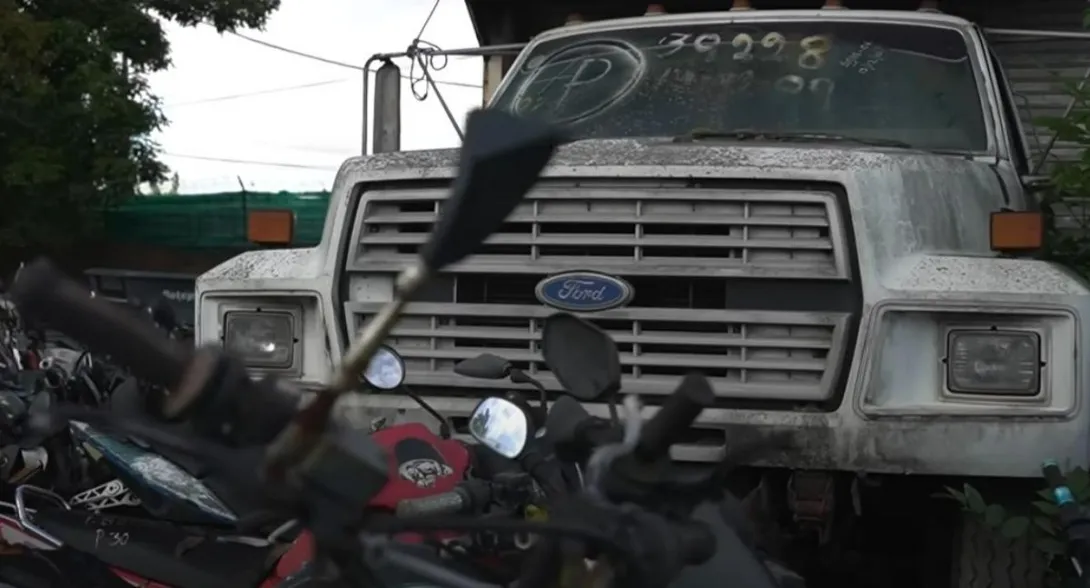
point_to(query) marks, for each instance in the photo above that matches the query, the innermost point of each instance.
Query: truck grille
(750, 286)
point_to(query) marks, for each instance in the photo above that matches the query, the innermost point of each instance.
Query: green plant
(76, 111)
(1068, 238)
(1039, 521)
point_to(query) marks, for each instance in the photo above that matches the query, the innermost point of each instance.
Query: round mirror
(386, 370)
(500, 425)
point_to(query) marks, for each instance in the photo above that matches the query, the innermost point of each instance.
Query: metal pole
(414, 53)
(366, 99)
(508, 49)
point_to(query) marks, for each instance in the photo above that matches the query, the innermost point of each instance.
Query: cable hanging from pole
(347, 65)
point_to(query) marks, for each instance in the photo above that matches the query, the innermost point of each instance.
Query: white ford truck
(798, 204)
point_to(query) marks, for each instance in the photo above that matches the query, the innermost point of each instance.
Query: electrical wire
(425, 59)
(258, 93)
(251, 162)
(427, 20)
(340, 63)
(298, 53)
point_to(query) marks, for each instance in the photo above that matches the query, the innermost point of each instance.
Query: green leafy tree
(76, 113)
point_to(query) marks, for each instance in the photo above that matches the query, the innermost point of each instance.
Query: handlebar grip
(44, 294)
(677, 414)
(452, 502)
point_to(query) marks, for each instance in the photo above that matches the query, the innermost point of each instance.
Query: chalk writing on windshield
(811, 54)
(556, 85)
(808, 54)
(828, 76)
(865, 59)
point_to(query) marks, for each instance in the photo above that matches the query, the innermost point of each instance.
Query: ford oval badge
(584, 291)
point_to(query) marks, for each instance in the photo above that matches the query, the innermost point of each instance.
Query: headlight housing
(1004, 362)
(263, 339)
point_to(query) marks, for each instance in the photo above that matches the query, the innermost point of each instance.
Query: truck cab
(822, 209)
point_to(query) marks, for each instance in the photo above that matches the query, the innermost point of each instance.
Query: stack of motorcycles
(229, 482)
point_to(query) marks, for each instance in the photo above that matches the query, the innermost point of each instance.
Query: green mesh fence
(211, 220)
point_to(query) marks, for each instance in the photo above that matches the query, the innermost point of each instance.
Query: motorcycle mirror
(484, 367)
(386, 370)
(500, 425)
(501, 158)
(583, 357)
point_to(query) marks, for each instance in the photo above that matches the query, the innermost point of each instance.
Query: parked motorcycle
(421, 464)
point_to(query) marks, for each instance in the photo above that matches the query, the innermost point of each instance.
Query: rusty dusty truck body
(802, 203)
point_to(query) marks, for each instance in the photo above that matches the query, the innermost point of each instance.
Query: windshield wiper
(747, 135)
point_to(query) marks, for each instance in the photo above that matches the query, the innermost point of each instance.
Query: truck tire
(984, 559)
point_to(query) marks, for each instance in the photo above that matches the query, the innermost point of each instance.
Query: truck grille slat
(411, 218)
(681, 248)
(616, 240)
(650, 266)
(663, 338)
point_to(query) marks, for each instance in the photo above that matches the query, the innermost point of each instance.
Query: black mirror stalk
(520, 377)
(446, 429)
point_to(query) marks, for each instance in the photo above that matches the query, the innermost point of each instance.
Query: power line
(258, 93)
(335, 62)
(252, 162)
(297, 53)
(427, 20)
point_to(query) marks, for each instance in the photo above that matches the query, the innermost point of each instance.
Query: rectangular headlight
(993, 362)
(264, 339)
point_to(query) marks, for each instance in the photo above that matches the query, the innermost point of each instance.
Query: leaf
(1078, 481)
(994, 515)
(974, 501)
(1047, 508)
(1014, 527)
(951, 493)
(1045, 524)
(1051, 546)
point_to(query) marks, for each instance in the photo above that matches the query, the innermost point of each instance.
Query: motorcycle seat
(160, 551)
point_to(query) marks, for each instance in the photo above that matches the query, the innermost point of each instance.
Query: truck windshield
(911, 84)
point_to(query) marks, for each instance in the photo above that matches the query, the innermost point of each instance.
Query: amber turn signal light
(1017, 231)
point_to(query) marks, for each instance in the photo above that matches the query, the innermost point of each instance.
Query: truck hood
(902, 201)
(712, 153)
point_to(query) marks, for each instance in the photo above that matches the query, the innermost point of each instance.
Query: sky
(228, 98)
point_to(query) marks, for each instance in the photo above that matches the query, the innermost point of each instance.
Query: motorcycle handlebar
(465, 497)
(44, 294)
(452, 502)
(677, 414)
